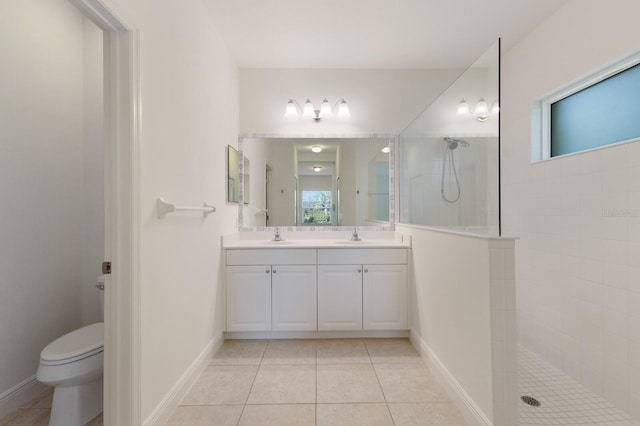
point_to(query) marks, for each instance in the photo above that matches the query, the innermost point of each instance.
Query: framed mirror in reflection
(317, 182)
(233, 175)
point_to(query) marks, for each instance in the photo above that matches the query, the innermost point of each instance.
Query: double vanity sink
(316, 285)
(317, 243)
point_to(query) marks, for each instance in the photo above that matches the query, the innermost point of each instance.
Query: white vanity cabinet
(310, 289)
(293, 298)
(362, 289)
(384, 297)
(339, 297)
(271, 289)
(248, 298)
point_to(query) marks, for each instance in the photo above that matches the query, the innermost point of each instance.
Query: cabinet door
(248, 298)
(294, 297)
(384, 294)
(340, 297)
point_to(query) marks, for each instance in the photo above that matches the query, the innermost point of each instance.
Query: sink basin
(276, 243)
(349, 242)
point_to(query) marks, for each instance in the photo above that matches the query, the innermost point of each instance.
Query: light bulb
(463, 108)
(316, 148)
(386, 150)
(325, 109)
(495, 108)
(308, 111)
(291, 109)
(343, 109)
(481, 111)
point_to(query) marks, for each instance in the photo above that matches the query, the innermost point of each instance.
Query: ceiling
(372, 34)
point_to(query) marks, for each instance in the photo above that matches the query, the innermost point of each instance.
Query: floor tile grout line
(315, 408)
(384, 396)
(252, 383)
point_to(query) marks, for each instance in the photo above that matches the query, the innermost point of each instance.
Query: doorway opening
(121, 105)
(267, 195)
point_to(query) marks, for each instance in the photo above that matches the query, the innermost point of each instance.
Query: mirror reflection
(233, 175)
(317, 182)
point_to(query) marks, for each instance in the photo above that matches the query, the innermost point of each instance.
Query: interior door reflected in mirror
(246, 180)
(316, 182)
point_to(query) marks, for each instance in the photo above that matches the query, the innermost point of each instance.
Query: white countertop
(326, 241)
(288, 244)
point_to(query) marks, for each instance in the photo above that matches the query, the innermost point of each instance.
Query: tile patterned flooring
(36, 413)
(316, 382)
(563, 400)
(354, 382)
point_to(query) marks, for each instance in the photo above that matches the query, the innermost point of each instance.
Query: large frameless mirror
(317, 182)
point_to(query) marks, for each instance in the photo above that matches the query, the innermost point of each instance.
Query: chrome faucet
(277, 236)
(354, 235)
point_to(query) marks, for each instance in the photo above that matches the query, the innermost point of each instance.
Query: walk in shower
(449, 155)
(573, 347)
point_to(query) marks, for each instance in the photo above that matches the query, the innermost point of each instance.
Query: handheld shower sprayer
(449, 158)
(453, 143)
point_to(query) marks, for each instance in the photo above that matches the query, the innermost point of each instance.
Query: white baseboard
(355, 334)
(19, 395)
(170, 402)
(467, 406)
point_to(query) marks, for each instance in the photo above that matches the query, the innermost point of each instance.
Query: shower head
(453, 143)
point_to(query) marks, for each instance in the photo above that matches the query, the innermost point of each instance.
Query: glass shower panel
(449, 155)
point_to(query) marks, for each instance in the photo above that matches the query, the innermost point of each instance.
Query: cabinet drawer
(353, 256)
(271, 257)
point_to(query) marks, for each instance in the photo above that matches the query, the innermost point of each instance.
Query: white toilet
(73, 364)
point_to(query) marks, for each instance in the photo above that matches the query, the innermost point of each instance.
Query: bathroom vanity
(316, 285)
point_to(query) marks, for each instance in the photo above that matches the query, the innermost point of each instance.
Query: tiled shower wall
(578, 263)
(577, 217)
(504, 359)
(421, 166)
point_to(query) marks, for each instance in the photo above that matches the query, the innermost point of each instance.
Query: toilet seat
(74, 346)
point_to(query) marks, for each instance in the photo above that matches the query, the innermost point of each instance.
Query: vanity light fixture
(317, 168)
(309, 111)
(316, 148)
(481, 112)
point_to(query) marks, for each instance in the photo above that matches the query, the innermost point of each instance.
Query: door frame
(267, 194)
(122, 387)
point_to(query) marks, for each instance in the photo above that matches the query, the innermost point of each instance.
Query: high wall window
(599, 109)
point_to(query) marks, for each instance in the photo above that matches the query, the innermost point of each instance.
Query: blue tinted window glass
(602, 114)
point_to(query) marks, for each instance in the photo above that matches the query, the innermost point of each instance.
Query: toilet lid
(75, 345)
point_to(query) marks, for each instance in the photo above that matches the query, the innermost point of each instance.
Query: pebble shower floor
(563, 401)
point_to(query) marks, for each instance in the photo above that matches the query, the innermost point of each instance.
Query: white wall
(41, 182)
(259, 154)
(578, 272)
(348, 173)
(368, 198)
(380, 101)
(189, 92)
(283, 185)
(462, 303)
(93, 173)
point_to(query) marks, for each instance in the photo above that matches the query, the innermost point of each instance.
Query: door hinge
(106, 267)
